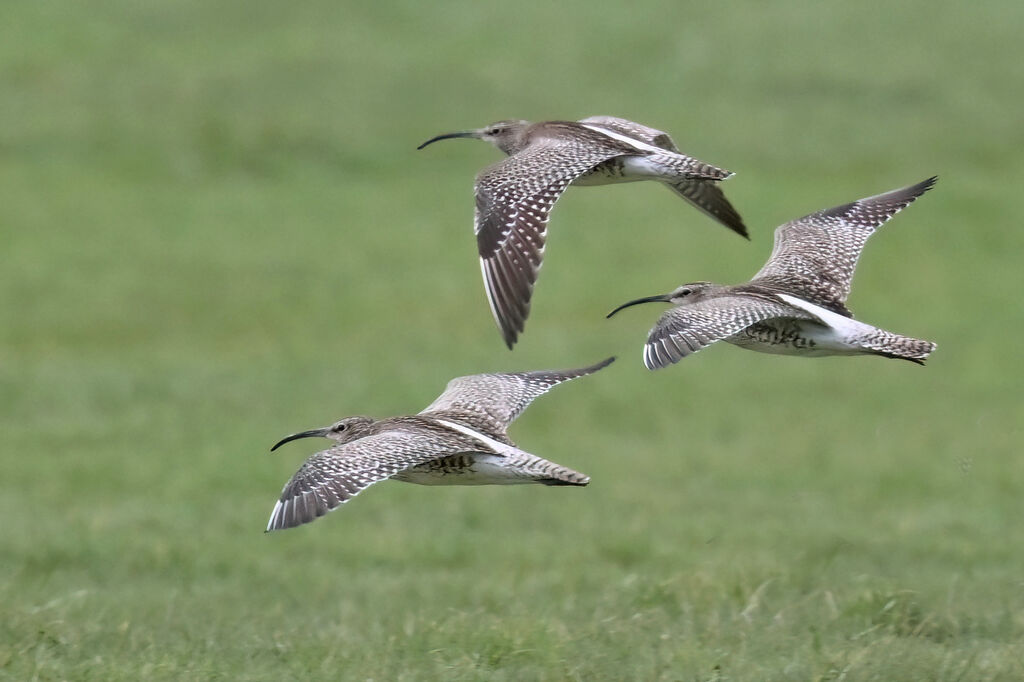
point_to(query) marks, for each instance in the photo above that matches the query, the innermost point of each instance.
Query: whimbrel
(514, 197)
(796, 303)
(459, 439)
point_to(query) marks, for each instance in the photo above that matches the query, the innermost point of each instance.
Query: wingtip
(923, 186)
(905, 196)
(509, 334)
(653, 360)
(276, 521)
(885, 205)
(271, 523)
(510, 329)
(509, 321)
(736, 226)
(590, 369)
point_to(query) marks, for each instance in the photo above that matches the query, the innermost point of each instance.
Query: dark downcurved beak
(320, 433)
(448, 136)
(662, 298)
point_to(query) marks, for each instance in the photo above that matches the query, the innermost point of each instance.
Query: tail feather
(688, 166)
(892, 345)
(861, 335)
(546, 472)
(559, 481)
(559, 475)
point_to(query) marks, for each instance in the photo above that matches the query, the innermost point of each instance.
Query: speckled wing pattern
(687, 328)
(703, 194)
(334, 476)
(513, 202)
(503, 397)
(814, 257)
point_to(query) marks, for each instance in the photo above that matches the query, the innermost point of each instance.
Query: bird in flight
(459, 439)
(796, 303)
(514, 197)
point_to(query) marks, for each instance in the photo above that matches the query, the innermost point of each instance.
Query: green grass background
(215, 230)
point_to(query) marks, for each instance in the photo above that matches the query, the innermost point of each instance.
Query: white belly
(468, 469)
(787, 336)
(621, 169)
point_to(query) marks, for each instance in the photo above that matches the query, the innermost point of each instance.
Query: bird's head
(505, 135)
(682, 295)
(342, 431)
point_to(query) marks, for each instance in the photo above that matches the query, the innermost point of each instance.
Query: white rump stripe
(835, 320)
(637, 144)
(496, 446)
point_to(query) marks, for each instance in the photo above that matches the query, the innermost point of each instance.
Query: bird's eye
(494, 131)
(340, 427)
(684, 292)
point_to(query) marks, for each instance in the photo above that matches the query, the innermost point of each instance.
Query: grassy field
(215, 230)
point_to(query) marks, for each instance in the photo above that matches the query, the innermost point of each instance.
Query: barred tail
(565, 477)
(681, 164)
(858, 335)
(892, 345)
(548, 473)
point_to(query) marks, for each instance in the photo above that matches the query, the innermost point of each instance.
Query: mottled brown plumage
(459, 439)
(796, 303)
(514, 197)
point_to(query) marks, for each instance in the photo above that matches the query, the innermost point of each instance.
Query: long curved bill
(320, 433)
(448, 136)
(661, 298)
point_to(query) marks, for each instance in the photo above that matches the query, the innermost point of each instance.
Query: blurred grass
(216, 231)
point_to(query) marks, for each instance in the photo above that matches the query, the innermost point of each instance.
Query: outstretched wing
(652, 136)
(503, 397)
(814, 257)
(706, 196)
(688, 328)
(513, 201)
(334, 476)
